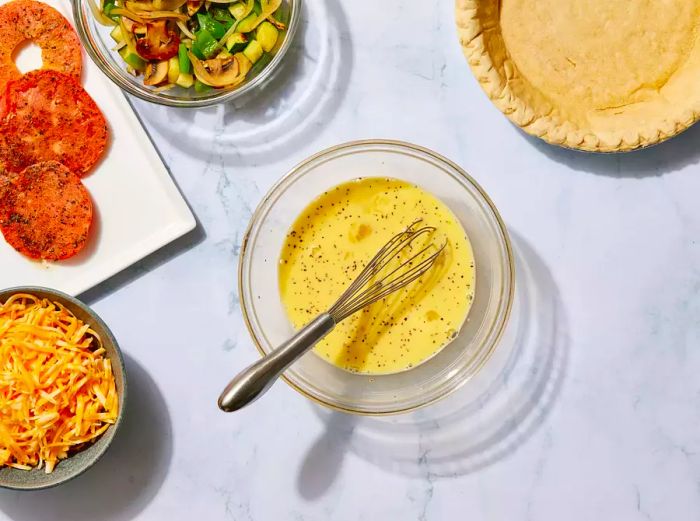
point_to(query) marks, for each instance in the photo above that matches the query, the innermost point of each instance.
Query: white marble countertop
(591, 410)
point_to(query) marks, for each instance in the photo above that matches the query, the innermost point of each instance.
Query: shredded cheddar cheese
(57, 389)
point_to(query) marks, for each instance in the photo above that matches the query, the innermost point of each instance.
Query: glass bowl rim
(499, 323)
(119, 78)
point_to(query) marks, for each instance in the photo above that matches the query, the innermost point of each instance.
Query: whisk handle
(256, 379)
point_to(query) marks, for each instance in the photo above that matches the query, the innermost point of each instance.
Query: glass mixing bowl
(100, 47)
(452, 366)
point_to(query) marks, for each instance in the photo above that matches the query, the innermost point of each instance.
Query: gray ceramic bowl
(81, 461)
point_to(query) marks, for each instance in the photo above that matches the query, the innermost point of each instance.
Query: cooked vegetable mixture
(194, 43)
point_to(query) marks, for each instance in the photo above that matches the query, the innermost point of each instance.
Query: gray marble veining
(590, 410)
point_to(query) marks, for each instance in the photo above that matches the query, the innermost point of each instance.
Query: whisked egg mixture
(333, 239)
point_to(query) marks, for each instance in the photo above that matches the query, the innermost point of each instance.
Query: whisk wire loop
(363, 291)
(370, 286)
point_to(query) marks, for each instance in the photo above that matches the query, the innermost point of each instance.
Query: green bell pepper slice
(205, 46)
(185, 63)
(201, 87)
(207, 23)
(221, 15)
(107, 9)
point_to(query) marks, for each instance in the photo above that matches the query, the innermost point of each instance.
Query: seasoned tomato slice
(46, 212)
(48, 116)
(22, 20)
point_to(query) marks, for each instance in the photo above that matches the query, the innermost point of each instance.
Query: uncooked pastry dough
(598, 75)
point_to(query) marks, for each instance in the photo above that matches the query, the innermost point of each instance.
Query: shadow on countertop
(664, 158)
(125, 480)
(485, 421)
(145, 265)
(272, 122)
(324, 460)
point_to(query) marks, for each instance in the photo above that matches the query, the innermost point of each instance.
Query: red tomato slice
(46, 212)
(22, 20)
(48, 116)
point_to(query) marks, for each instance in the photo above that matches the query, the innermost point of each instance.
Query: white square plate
(138, 208)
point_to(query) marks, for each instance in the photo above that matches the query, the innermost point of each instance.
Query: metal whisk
(369, 287)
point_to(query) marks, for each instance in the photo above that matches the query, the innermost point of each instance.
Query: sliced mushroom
(128, 23)
(217, 72)
(160, 42)
(193, 6)
(156, 73)
(168, 5)
(137, 6)
(155, 5)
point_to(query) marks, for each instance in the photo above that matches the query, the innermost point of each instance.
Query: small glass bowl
(432, 380)
(100, 47)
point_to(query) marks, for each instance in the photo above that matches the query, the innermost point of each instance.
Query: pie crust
(596, 75)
